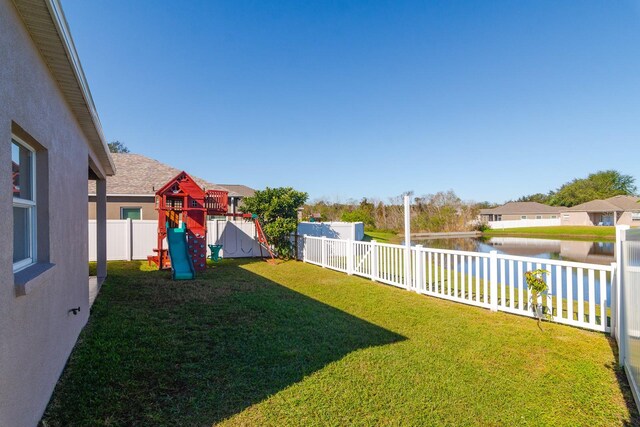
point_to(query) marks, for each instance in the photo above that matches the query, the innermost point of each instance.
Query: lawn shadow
(161, 352)
(623, 383)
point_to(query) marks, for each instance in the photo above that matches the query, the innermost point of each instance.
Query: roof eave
(85, 112)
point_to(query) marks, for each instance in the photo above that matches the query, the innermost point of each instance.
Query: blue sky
(345, 99)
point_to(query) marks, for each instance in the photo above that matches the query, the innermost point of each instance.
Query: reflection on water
(570, 250)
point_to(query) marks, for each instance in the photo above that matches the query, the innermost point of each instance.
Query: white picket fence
(520, 223)
(579, 294)
(135, 239)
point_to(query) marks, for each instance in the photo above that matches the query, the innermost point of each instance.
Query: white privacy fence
(519, 223)
(135, 239)
(579, 294)
(334, 230)
(628, 331)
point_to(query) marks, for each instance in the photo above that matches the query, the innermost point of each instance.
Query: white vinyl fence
(135, 239)
(579, 294)
(628, 331)
(334, 230)
(520, 223)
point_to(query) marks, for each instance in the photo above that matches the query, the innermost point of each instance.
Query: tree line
(443, 211)
(598, 185)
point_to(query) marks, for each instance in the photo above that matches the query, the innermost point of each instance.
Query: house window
(23, 162)
(635, 216)
(130, 213)
(538, 216)
(554, 216)
(523, 217)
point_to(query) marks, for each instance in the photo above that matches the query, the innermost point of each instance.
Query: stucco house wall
(529, 216)
(627, 219)
(116, 203)
(37, 331)
(575, 218)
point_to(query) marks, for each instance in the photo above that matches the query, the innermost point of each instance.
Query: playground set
(183, 208)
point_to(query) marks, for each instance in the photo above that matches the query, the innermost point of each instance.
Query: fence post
(493, 280)
(621, 236)
(613, 303)
(419, 267)
(304, 248)
(129, 239)
(350, 257)
(323, 243)
(374, 260)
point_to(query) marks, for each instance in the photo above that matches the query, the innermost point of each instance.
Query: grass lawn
(382, 237)
(567, 231)
(250, 343)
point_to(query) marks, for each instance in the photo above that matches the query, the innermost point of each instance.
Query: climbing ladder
(262, 239)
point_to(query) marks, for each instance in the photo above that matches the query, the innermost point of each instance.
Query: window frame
(31, 206)
(523, 217)
(122, 208)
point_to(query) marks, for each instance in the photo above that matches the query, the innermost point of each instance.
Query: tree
(599, 185)
(277, 209)
(363, 213)
(537, 197)
(117, 147)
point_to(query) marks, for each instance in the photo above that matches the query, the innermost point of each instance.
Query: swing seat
(215, 252)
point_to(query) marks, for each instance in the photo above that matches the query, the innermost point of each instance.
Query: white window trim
(122, 208)
(538, 216)
(523, 217)
(32, 206)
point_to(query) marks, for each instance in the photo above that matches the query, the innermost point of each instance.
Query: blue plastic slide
(181, 264)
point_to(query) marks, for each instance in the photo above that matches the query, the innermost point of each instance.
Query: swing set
(183, 208)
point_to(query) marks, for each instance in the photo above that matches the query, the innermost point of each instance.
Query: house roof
(242, 190)
(517, 208)
(612, 204)
(140, 175)
(595, 206)
(628, 203)
(49, 31)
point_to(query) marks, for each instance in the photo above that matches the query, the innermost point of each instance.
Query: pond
(570, 250)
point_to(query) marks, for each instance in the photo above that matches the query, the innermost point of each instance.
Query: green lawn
(250, 343)
(382, 236)
(567, 231)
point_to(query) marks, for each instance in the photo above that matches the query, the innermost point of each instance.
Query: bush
(277, 209)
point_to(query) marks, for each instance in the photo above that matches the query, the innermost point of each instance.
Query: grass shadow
(623, 383)
(162, 352)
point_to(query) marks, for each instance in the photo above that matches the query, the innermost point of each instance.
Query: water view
(591, 252)
(570, 250)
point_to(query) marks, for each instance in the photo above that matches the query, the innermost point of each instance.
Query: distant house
(51, 144)
(520, 211)
(618, 210)
(131, 193)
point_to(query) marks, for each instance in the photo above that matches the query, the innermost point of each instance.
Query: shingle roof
(516, 208)
(137, 175)
(628, 203)
(596, 206)
(243, 190)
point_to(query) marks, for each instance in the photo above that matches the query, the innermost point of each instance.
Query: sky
(346, 99)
